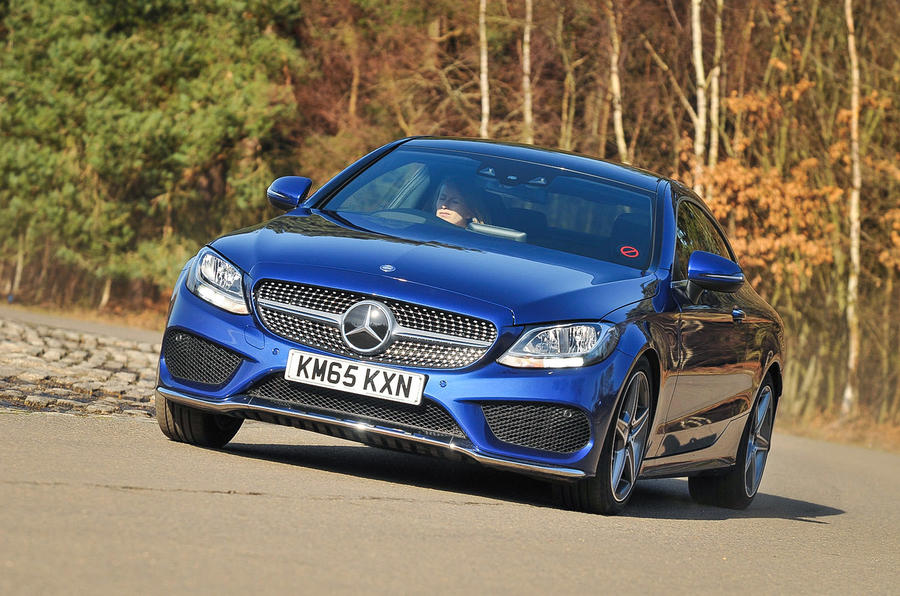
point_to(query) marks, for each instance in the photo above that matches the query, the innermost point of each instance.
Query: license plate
(355, 377)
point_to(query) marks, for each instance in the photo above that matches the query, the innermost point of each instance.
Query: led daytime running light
(218, 282)
(562, 346)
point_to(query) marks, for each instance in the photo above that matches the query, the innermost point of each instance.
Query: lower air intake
(197, 360)
(547, 427)
(428, 418)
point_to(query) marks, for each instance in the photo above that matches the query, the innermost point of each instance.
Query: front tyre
(736, 489)
(193, 426)
(623, 451)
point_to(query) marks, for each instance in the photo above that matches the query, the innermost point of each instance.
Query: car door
(713, 383)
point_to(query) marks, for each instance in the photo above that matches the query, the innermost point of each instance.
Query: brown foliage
(369, 72)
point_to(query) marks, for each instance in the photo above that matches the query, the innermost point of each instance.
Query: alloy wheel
(632, 429)
(759, 438)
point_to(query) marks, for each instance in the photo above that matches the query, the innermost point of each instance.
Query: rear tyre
(193, 426)
(736, 488)
(609, 491)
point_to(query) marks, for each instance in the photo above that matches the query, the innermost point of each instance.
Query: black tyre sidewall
(196, 427)
(603, 491)
(728, 490)
(742, 451)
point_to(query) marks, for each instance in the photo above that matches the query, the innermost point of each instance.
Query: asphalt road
(107, 505)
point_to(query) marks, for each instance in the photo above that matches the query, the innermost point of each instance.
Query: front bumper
(462, 393)
(255, 408)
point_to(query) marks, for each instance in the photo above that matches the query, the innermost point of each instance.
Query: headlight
(217, 281)
(562, 346)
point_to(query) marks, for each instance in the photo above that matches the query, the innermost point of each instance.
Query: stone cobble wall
(46, 368)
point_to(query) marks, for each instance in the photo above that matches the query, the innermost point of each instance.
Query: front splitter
(245, 403)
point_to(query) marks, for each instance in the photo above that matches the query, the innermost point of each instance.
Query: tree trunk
(615, 84)
(107, 290)
(700, 75)
(851, 390)
(569, 98)
(592, 116)
(430, 61)
(714, 78)
(45, 269)
(353, 47)
(885, 345)
(20, 265)
(527, 115)
(485, 90)
(604, 125)
(746, 37)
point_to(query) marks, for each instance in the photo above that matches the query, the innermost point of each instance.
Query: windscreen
(513, 201)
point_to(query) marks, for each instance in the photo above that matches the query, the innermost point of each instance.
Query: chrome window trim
(723, 277)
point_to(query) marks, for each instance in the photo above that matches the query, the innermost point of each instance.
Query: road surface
(106, 505)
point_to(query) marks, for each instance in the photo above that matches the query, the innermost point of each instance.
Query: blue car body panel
(515, 287)
(548, 285)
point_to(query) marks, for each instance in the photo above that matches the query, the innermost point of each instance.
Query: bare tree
(527, 114)
(352, 42)
(714, 77)
(615, 83)
(700, 76)
(566, 48)
(485, 90)
(698, 112)
(851, 390)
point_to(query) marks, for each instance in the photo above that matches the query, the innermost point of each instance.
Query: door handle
(737, 315)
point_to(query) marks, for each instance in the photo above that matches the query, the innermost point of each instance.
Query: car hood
(518, 283)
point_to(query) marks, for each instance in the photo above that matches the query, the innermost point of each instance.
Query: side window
(695, 231)
(404, 185)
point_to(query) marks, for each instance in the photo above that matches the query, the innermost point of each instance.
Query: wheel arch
(645, 353)
(653, 358)
(638, 340)
(774, 372)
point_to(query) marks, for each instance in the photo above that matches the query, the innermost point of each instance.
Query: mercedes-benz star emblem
(367, 327)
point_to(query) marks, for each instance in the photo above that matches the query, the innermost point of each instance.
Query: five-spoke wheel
(758, 440)
(736, 488)
(623, 450)
(630, 438)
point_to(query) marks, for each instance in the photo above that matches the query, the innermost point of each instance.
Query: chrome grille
(547, 427)
(310, 333)
(313, 297)
(445, 350)
(427, 418)
(441, 321)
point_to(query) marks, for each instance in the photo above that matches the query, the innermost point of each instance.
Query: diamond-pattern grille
(422, 353)
(198, 360)
(547, 427)
(415, 316)
(427, 418)
(314, 297)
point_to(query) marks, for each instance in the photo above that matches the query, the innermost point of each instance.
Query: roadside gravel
(53, 369)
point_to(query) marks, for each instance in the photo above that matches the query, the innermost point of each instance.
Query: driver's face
(451, 207)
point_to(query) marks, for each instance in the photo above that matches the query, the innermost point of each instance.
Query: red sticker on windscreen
(629, 251)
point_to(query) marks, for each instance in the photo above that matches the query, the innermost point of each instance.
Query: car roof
(561, 159)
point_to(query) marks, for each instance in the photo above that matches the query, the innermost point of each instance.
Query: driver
(453, 207)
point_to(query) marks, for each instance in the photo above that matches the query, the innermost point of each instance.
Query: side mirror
(287, 192)
(707, 271)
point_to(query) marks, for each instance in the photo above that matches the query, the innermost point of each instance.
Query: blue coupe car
(527, 309)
